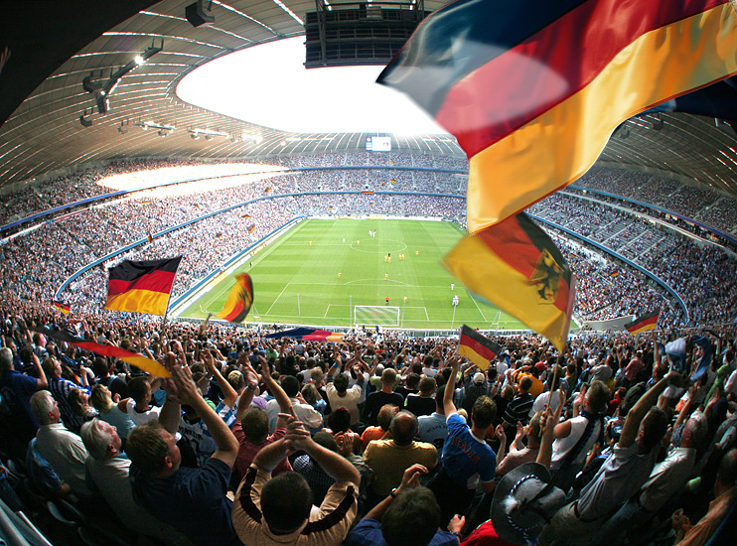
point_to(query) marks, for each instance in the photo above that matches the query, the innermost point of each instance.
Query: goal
(373, 315)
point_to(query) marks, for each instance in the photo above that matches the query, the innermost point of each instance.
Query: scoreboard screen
(379, 144)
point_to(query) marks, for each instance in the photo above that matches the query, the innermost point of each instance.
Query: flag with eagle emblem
(517, 267)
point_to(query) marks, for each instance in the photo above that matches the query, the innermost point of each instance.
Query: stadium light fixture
(101, 91)
(84, 119)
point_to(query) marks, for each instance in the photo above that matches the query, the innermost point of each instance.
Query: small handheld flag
(643, 323)
(62, 307)
(141, 287)
(478, 349)
(239, 300)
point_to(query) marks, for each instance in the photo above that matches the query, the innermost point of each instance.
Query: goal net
(372, 315)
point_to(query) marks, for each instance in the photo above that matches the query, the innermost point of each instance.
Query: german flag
(478, 349)
(251, 228)
(62, 307)
(644, 323)
(140, 361)
(533, 89)
(515, 266)
(141, 287)
(239, 301)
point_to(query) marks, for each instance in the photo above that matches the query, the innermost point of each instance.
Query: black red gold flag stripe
(644, 323)
(146, 364)
(533, 89)
(239, 300)
(515, 266)
(141, 287)
(477, 348)
(62, 307)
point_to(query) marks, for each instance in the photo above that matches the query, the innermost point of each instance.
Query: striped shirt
(327, 524)
(518, 409)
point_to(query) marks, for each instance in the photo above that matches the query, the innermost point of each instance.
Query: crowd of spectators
(706, 205)
(378, 439)
(703, 275)
(393, 439)
(38, 196)
(36, 263)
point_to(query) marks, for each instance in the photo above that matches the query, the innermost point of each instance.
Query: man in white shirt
(62, 449)
(433, 428)
(666, 481)
(304, 412)
(107, 470)
(340, 396)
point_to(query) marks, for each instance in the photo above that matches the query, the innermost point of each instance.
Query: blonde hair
(101, 399)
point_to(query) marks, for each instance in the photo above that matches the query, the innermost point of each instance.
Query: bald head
(404, 428)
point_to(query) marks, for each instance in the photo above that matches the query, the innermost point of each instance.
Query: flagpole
(166, 311)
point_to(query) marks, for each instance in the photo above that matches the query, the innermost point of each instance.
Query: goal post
(373, 315)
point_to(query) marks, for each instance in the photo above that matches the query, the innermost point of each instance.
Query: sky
(268, 85)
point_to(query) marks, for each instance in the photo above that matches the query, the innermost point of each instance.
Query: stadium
(340, 385)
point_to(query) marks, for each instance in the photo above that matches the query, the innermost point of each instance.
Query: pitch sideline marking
(479, 308)
(277, 299)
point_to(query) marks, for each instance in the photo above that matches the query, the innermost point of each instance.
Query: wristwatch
(394, 493)
(252, 388)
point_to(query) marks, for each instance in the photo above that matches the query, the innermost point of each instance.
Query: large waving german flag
(478, 349)
(239, 301)
(533, 89)
(643, 323)
(140, 361)
(516, 266)
(141, 287)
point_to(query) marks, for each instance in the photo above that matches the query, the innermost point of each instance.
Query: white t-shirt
(562, 446)
(542, 399)
(349, 401)
(141, 418)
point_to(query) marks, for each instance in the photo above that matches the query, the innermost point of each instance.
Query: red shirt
(247, 451)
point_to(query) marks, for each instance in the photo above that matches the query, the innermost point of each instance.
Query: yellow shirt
(389, 461)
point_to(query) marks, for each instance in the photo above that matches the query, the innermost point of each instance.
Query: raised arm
(227, 445)
(41, 382)
(229, 394)
(285, 404)
(248, 393)
(550, 420)
(640, 409)
(171, 412)
(450, 386)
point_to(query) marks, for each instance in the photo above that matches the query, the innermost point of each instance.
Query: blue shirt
(16, 390)
(192, 500)
(368, 531)
(466, 459)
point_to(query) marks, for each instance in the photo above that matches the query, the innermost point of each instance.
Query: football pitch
(334, 273)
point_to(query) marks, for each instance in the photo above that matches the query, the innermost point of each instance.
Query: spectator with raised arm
(251, 426)
(467, 460)
(17, 389)
(279, 510)
(621, 475)
(408, 516)
(193, 500)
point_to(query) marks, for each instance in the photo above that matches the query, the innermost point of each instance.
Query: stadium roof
(55, 45)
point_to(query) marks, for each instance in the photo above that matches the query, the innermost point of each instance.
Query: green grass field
(318, 270)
